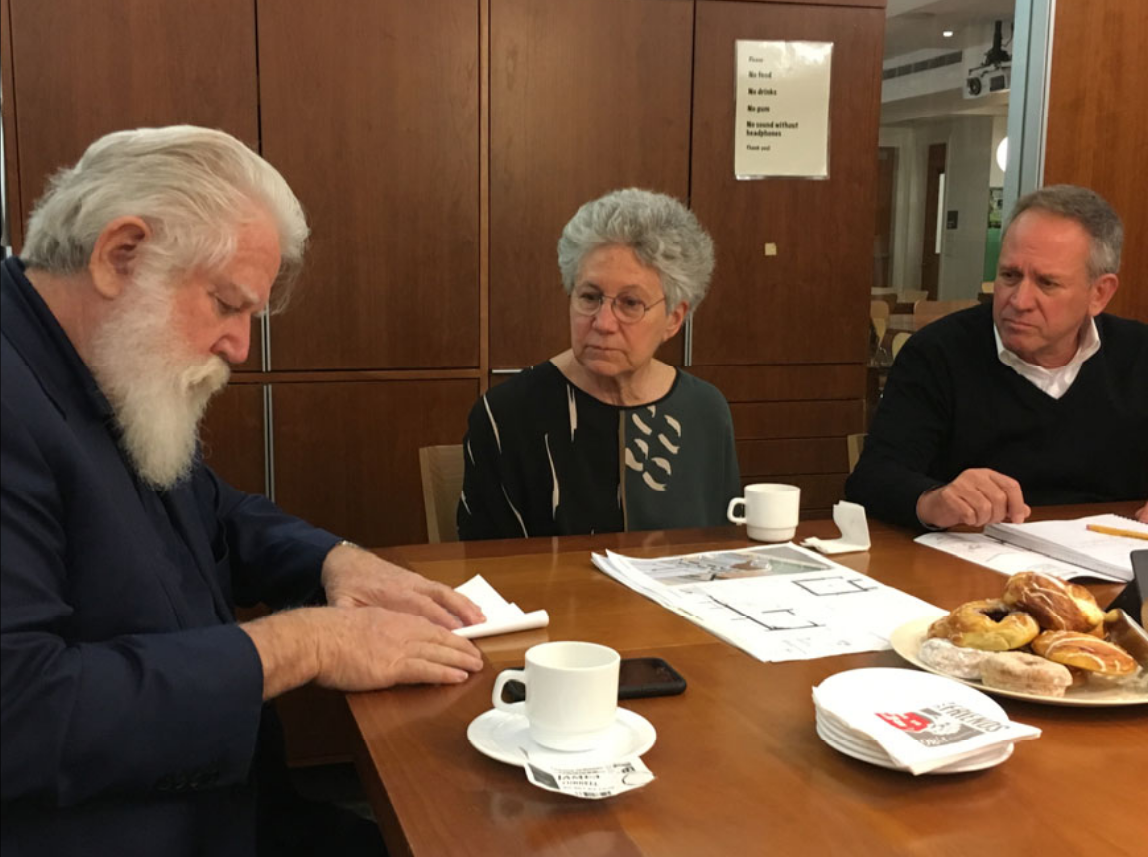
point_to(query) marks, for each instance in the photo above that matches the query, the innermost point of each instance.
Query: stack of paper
(1107, 553)
(1063, 549)
(776, 602)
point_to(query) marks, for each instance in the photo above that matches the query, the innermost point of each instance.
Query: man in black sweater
(1041, 399)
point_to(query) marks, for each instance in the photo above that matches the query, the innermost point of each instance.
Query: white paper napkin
(502, 617)
(850, 519)
(921, 720)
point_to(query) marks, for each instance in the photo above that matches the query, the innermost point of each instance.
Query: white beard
(157, 393)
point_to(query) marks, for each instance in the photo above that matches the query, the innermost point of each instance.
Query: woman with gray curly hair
(604, 437)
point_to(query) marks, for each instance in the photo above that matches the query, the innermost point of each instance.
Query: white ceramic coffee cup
(771, 511)
(571, 693)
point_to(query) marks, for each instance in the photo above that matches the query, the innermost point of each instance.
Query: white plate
(968, 765)
(841, 737)
(503, 736)
(893, 685)
(907, 641)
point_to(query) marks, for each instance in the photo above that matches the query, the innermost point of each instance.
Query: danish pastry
(990, 625)
(1056, 605)
(1074, 649)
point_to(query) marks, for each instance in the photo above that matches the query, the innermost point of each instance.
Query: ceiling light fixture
(948, 34)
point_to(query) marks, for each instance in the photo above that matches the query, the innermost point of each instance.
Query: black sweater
(950, 404)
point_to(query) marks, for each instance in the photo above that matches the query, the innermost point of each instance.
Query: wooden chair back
(879, 317)
(442, 469)
(854, 443)
(926, 312)
(899, 341)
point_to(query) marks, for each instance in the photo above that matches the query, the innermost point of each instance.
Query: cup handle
(499, 683)
(734, 519)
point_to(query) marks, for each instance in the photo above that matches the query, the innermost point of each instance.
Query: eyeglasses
(628, 309)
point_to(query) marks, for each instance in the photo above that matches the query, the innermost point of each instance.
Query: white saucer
(503, 736)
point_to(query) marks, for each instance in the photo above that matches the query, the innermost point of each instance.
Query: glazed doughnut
(991, 626)
(1056, 605)
(952, 660)
(1025, 673)
(1085, 652)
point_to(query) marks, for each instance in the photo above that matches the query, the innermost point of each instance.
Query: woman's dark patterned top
(544, 458)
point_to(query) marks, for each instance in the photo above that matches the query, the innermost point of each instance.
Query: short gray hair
(194, 187)
(662, 232)
(1091, 211)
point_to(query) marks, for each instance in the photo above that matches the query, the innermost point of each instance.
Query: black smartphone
(637, 678)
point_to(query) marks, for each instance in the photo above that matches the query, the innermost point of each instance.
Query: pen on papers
(1114, 531)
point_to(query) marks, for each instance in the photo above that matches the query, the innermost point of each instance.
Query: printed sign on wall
(782, 116)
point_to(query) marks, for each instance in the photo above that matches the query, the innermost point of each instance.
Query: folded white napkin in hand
(502, 617)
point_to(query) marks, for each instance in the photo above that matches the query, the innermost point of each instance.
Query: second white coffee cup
(571, 693)
(771, 511)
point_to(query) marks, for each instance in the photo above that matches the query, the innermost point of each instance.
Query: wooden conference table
(739, 767)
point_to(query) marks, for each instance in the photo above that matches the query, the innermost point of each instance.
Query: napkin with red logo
(922, 721)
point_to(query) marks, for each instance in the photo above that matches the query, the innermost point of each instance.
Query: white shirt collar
(1054, 382)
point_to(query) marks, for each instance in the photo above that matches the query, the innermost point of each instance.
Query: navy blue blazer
(129, 699)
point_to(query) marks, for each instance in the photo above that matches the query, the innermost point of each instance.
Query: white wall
(966, 192)
(969, 147)
(1000, 131)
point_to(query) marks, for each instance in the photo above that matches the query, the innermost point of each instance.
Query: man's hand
(365, 649)
(371, 648)
(1142, 514)
(977, 497)
(353, 577)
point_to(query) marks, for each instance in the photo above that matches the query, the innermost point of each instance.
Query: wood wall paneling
(83, 68)
(232, 437)
(1097, 130)
(346, 454)
(585, 97)
(14, 211)
(785, 383)
(807, 303)
(788, 456)
(370, 110)
(766, 420)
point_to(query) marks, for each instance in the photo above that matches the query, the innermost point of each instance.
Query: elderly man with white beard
(131, 699)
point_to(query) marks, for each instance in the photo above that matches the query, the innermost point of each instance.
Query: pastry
(1025, 673)
(1085, 652)
(952, 660)
(1056, 605)
(991, 626)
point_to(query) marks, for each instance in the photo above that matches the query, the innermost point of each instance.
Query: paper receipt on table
(592, 782)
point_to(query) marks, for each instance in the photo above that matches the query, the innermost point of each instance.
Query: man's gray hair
(194, 187)
(662, 232)
(1091, 211)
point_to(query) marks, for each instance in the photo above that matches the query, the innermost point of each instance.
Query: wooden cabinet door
(232, 437)
(346, 453)
(370, 109)
(83, 68)
(1097, 126)
(585, 97)
(807, 303)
